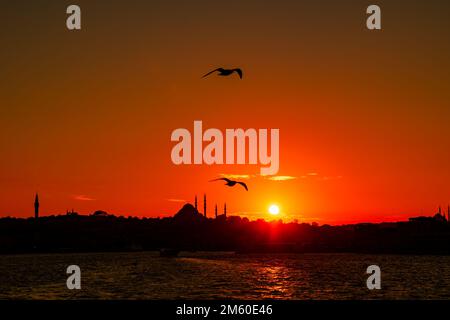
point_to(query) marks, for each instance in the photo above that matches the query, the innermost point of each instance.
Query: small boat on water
(167, 252)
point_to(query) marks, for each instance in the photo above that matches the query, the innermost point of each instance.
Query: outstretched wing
(239, 72)
(224, 179)
(243, 184)
(218, 69)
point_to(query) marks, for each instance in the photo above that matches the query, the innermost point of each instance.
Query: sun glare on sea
(274, 209)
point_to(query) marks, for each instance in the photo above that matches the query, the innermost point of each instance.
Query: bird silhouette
(225, 72)
(231, 183)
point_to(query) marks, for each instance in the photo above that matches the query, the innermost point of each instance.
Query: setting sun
(274, 209)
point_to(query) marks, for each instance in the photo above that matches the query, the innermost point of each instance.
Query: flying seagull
(231, 183)
(225, 72)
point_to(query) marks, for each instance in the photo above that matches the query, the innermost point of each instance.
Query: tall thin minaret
(215, 210)
(204, 204)
(36, 206)
(195, 203)
(225, 209)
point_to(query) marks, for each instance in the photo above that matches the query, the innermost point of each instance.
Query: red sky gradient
(86, 116)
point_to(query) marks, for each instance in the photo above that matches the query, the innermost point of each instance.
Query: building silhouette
(438, 217)
(36, 206)
(204, 204)
(216, 209)
(71, 213)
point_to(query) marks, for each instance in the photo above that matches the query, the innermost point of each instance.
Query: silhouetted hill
(189, 230)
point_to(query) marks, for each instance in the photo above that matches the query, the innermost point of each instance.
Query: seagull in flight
(225, 72)
(231, 183)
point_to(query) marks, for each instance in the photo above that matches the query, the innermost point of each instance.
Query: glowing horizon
(86, 117)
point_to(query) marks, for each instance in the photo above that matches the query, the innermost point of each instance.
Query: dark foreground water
(202, 275)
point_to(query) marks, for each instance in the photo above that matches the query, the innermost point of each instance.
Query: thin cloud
(237, 176)
(309, 175)
(281, 178)
(176, 200)
(82, 197)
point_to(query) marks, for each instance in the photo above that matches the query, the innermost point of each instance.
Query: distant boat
(166, 252)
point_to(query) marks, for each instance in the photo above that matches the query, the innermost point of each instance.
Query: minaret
(225, 209)
(204, 204)
(215, 211)
(36, 206)
(195, 203)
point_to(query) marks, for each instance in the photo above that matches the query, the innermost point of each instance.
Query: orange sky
(86, 116)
